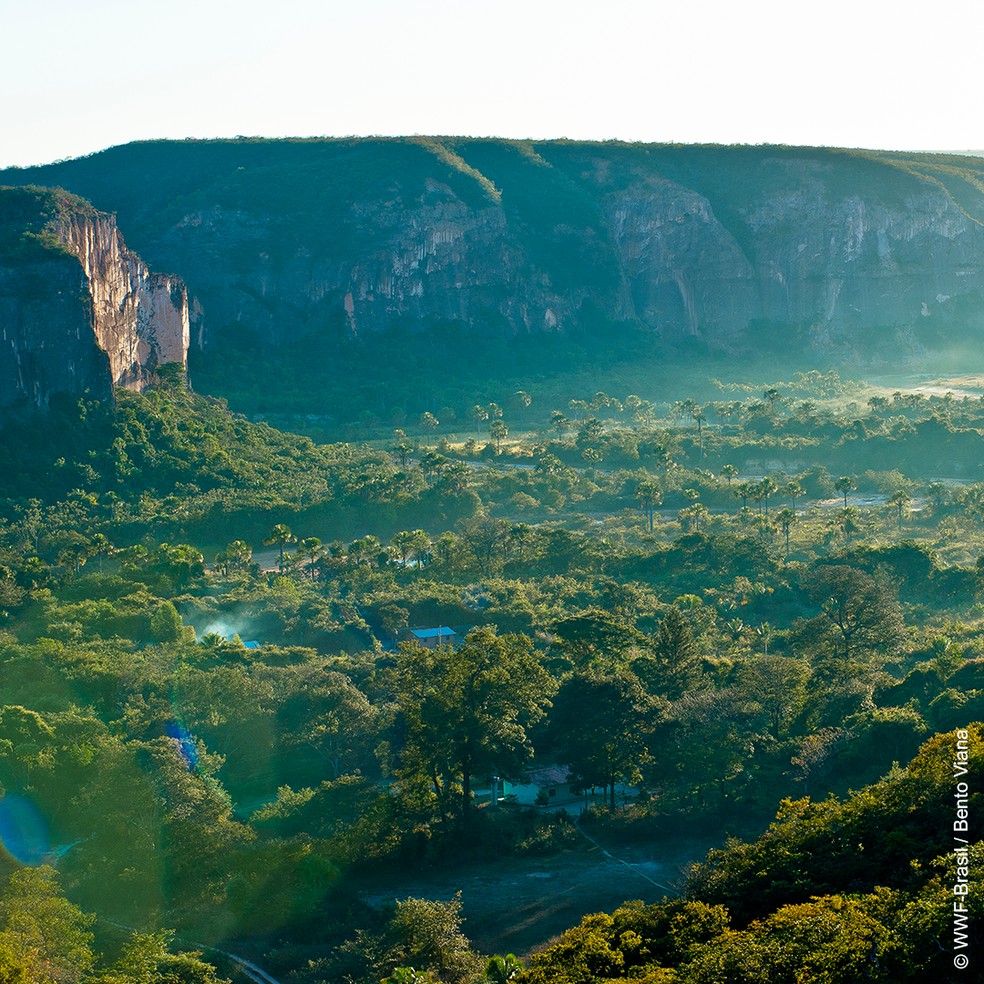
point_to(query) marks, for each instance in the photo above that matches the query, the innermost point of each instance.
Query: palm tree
(498, 431)
(310, 548)
(795, 491)
(937, 490)
(768, 486)
(843, 485)
(649, 493)
(700, 419)
(784, 520)
(502, 970)
(693, 516)
(280, 536)
(730, 473)
(900, 498)
(479, 414)
(847, 519)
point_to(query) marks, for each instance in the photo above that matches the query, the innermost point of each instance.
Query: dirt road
(516, 905)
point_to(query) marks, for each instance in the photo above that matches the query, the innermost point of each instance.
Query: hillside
(823, 895)
(307, 260)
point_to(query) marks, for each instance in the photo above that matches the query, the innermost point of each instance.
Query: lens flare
(185, 743)
(23, 831)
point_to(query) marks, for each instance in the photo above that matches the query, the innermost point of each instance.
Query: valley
(370, 475)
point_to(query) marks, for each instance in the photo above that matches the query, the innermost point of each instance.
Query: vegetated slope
(292, 248)
(859, 889)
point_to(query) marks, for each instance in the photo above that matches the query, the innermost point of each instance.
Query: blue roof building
(432, 638)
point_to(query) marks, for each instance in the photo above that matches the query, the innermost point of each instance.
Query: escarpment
(79, 312)
(845, 254)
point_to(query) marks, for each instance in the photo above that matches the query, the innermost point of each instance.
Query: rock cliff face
(140, 319)
(728, 249)
(78, 311)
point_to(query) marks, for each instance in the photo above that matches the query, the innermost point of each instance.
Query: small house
(554, 786)
(546, 786)
(442, 635)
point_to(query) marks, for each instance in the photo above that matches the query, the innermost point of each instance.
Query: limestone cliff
(709, 248)
(79, 312)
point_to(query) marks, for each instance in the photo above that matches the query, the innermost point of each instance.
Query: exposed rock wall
(85, 318)
(829, 272)
(729, 248)
(140, 319)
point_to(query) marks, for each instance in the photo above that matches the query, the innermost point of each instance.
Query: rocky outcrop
(140, 319)
(81, 313)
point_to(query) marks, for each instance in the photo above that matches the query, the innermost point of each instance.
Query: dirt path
(516, 905)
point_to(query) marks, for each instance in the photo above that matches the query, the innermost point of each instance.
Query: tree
(502, 970)
(765, 489)
(403, 449)
(479, 414)
(236, 556)
(772, 398)
(365, 550)
(165, 623)
(730, 473)
(693, 516)
(499, 431)
(145, 958)
(410, 545)
(649, 494)
(843, 485)
(700, 419)
(595, 638)
(335, 718)
(784, 520)
(601, 725)
(795, 491)
(848, 520)
(523, 400)
(937, 491)
(559, 421)
(863, 611)
(311, 549)
(280, 536)
(428, 421)
(901, 499)
(672, 665)
(38, 923)
(775, 685)
(422, 942)
(487, 539)
(466, 711)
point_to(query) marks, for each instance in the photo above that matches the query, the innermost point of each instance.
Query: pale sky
(76, 77)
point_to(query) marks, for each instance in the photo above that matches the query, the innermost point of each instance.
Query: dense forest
(217, 727)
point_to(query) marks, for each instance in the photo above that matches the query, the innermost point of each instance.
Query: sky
(78, 77)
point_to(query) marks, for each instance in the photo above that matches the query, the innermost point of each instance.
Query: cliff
(723, 249)
(78, 311)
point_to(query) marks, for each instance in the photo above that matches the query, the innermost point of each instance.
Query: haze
(78, 78)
